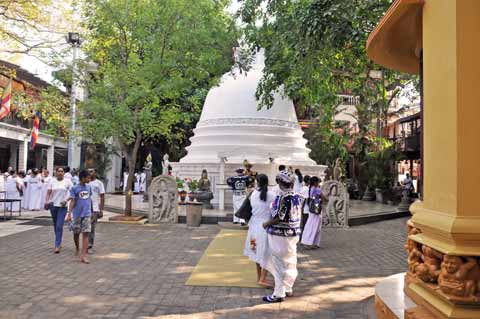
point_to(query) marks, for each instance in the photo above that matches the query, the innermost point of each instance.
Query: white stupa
(232, 125)
(232, 128)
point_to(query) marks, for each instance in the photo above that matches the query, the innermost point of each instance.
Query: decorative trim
(248, 121)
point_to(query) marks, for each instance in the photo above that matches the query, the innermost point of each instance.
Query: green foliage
(329, 140)
(315, 50)
(381, 165)
(156, 59)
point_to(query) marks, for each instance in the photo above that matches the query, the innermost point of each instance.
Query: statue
(430, 269)
(460, 277)
(148, 172)
(414, 255)
(165, 164)
(204, 193)
(163, 200)
(249, 172)
(336, 214)
(337, 170)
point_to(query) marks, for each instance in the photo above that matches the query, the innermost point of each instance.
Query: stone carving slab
(163, 197)
(335, 212)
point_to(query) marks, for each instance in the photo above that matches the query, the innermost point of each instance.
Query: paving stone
(140, 271)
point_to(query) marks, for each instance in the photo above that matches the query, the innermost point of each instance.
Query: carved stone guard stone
(335, 212)
(163, 197)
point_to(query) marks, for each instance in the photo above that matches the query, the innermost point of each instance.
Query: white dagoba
(232, 125)
(233, 128)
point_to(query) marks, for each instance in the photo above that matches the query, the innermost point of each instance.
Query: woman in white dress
(26, 190)
(298, 184)
(46, 180)
(35, 191)
(136, 188)
(14, 190)
(256, 245)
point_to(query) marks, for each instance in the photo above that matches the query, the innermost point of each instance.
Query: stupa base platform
(391, 302)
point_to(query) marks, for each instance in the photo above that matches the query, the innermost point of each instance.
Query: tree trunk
(132, 160)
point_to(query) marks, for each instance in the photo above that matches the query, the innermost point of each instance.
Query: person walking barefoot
(81, 206)
(256, 244)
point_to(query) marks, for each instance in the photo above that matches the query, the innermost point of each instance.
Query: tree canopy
(315, 50)
(156, 59)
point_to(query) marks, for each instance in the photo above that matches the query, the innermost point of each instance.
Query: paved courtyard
(140, 271)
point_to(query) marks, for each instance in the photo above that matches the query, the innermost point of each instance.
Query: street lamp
(74, 39)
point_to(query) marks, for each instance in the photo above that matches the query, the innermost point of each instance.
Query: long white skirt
(261, 253)
(35, 196)
(283, 263)
(313, 230)
(237, 203)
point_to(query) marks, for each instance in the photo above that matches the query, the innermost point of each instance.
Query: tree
(34, 27)
(315, 50)
(153, 58)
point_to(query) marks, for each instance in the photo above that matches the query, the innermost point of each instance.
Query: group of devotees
(278, 218)
(77, 199)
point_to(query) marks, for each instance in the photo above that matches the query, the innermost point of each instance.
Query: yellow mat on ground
(223, 263)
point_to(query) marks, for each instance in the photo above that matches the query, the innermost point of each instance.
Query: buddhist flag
(6, 100)
(35, 130)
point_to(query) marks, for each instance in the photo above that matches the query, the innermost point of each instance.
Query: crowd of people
(139, 182)
(282, 218)
(77, 198)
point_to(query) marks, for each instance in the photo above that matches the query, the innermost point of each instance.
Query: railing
(345, 99)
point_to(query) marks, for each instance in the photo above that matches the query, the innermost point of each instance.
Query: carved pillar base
(440, 283)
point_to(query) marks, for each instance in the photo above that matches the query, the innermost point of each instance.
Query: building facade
(15, 132)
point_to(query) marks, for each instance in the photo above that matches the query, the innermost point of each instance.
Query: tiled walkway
(140, 271)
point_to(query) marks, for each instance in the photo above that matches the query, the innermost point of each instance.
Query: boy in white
(98, 203)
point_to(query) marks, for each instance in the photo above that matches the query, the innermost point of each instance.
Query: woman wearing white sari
(46, 180)
(283, 234)
(26, 190)
(35, 191)
(256, 245)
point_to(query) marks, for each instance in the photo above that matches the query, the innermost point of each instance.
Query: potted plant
(181, 190)
(192, 187)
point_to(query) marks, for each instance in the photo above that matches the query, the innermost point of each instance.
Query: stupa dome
(233, 126)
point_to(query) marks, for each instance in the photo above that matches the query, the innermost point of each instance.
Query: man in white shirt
(98, 203)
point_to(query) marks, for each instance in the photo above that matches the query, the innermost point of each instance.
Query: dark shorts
(82, 225)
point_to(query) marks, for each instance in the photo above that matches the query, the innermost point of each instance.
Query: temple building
(438, 39)
(15, 132)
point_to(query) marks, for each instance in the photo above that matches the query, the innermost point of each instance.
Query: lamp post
(73, 38)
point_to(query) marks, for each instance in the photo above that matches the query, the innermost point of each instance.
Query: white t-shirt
(60, 191)
(67, 176)
(97, 189)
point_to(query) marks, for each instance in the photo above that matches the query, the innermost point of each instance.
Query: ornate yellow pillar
(443, 278)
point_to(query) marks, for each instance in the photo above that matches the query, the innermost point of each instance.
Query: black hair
(282, 168)
(35, 171)
(306, 179)
(262, 181)
(66, 169)
(313, 181)
(83, 174)
(299, 174)
(56, 170)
